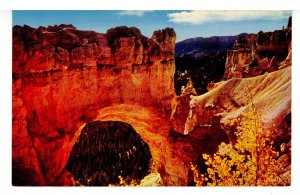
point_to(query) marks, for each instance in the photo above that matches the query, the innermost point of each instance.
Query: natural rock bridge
(64, 78)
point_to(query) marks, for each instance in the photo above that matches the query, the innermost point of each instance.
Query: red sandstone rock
(270, 94)
(166, 39)
(254, 54)
(65, 179)
(24, 160)
(181, 107)
(63, 76)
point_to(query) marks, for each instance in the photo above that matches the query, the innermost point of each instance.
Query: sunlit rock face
(207, 120)
(272, 90)
(256, 54)
(106, 150)
(63, 76)
(270, 94)
(64, 79)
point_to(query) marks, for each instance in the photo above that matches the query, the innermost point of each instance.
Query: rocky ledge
(256, 54)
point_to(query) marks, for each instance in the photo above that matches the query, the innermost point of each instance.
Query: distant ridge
(199, 46)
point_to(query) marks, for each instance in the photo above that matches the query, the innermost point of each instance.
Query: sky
(187, 24)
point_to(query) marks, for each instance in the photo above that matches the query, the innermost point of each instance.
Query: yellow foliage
(197, 177)
(250, 162)
(123, 182)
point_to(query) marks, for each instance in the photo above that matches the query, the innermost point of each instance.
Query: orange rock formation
(271, 96)
(64, 78)
(256, 54)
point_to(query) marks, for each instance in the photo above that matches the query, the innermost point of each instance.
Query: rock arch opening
(108, 149)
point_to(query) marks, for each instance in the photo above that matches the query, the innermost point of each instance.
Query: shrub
(250, 162)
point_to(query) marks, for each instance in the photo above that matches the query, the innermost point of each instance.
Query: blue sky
(187, 24)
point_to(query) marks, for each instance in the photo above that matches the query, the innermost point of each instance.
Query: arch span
(58, 87)
(153, 126)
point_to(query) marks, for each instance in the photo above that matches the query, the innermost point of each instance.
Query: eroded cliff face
(62, 77)
(256, 54)
(258, 73)
(270, 94)
(209, 113)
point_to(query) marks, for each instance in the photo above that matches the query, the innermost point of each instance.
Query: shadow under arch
(106, 150)
(153, 126)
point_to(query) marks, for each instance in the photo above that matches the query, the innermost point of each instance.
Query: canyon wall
(256, 54)
(252, 55)
(270, 95)
(258, 72)
(63, 76)
(205, 118)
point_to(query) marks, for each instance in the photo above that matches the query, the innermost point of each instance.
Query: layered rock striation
(63, 76)
(206, 118)
(256, 54)
(269, 93)
(258, 73)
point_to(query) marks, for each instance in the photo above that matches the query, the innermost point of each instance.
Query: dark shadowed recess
(21, 176)
(202, 71)
(108, 149)
(202, 60)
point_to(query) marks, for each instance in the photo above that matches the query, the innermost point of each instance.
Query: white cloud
(133, 12)
(200, 16)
